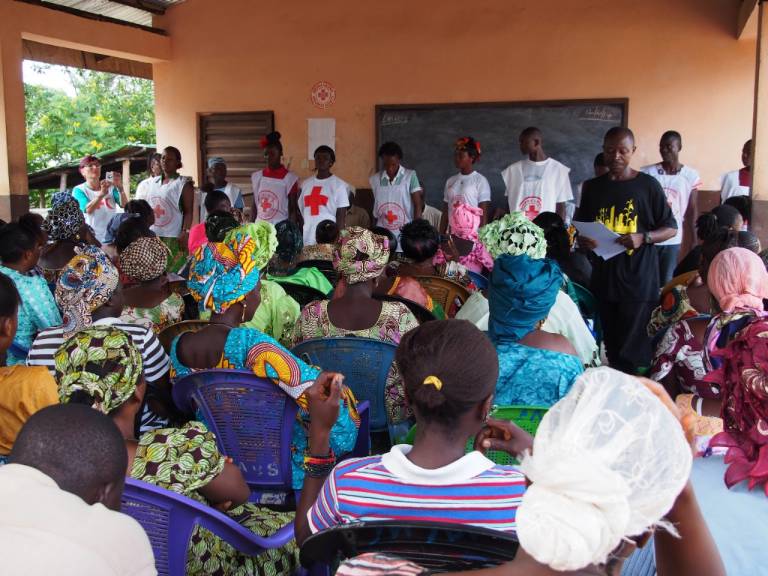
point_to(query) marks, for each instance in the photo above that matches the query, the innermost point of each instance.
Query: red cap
(90, 159)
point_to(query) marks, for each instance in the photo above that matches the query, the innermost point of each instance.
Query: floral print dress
(185, 460)
(169, 311)
(394, 320)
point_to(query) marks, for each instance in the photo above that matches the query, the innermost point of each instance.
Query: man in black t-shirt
(626, 286)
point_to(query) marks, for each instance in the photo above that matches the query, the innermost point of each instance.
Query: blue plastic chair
(169, 519)
(478, 280)
(253, 423)
(365, 363)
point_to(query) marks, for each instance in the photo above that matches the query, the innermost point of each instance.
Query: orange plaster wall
(677, 62)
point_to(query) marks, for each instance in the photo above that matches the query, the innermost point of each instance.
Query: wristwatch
(647, 238)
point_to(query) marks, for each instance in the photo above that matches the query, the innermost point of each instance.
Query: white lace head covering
(608, 462)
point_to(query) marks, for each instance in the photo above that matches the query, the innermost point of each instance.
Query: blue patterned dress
(533, 376)
(37, 312)
(248, 349)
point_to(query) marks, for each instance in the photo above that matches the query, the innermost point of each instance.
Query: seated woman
(434, 479)
(536, 368)
(738, 280)
(420, 241)
(709, 226)
(89, 294)
(185, 459)
(692, 298)
(20, 246)
(360, 260)
(583, 520)
(326, 235)
(224, 278)
(462, 246)
(151, 299)
(282, 268)
(67, 230)
(516, 235)
(23, 390)
(277, 312)
(574, 264)
(216, 202)
(134, 209)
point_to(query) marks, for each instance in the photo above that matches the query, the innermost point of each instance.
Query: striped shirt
(473, 490)
(156, 361)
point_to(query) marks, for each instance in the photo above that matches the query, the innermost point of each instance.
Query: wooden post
(63, 182)
(759, 224)
(127, 176)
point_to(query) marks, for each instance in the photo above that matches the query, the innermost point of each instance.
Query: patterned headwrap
(290, 240)
(522, 292)
(464, 221)
(224, 273)
(360, 254)
(144, 259)
(265, 238)
(514, 234)
(64, 219)
(87, 282)
(104, 362)
(218, 224)
(469, 144)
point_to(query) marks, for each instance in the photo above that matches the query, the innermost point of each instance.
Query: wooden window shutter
(235, 136)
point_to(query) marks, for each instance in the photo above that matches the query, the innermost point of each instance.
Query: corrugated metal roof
(119, 10)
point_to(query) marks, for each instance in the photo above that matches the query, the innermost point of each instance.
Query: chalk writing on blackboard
(600, 114)
(394, 118)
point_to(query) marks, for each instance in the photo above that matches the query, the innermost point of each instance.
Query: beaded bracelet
(316, 467)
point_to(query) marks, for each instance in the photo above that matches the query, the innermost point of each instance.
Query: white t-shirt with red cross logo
(271, 189)
(319, 200)
(678, 189)
(536, 187)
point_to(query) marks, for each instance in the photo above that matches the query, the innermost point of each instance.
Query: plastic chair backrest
(421, 313)
(527, 417)
(449, 294)
(167, 334)
(253, 423)
(478, 280)
(588, 307)
(302, 294)
(439, 547)
(364, 362)
(324, 266)
(169, 519)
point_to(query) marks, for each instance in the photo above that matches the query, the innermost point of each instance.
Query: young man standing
(680, 184)
(217, 180)
(536, 183)
(633, 205)
(738, 182)
(396, 191)
(99, 199)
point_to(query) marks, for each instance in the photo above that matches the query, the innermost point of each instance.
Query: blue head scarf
(521, 293)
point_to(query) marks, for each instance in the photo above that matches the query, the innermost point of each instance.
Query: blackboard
(573, 134)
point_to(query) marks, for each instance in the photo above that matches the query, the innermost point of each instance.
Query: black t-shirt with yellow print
(626, 206)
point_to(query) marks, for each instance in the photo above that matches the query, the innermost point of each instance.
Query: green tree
(106, 111)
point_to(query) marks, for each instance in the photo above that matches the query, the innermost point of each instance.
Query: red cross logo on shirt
(391, 217)
(315, 200)
(265, 204)
(159, 212)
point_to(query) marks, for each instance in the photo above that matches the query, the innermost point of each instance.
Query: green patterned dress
(184, 460)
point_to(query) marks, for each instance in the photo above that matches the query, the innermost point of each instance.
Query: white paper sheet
(607, 247)
(320, 131)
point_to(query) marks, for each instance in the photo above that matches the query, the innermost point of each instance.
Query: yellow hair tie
(434, 381)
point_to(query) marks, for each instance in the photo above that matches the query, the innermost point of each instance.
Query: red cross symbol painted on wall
(391, 217)
(314, 200)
